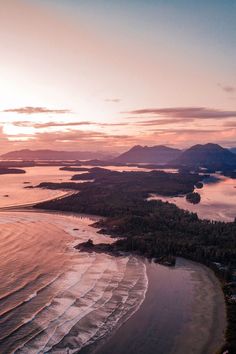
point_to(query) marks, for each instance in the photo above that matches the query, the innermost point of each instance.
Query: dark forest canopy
(10, 171)
(155, 228)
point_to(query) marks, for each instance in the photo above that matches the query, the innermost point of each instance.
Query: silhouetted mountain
(146, 154)
(208, 155)
(233, 150)
(53, 155)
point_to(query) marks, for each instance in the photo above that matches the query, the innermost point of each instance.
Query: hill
(208, 155)
(53, 155)
(146, 154)
(233, 150)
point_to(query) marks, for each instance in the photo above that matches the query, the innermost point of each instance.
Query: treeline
(167, 184)
(11, 171)
(150, 227)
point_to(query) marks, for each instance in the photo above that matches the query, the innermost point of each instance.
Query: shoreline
(195, 325)
(30, 205)
(214, 317)
(209, 345)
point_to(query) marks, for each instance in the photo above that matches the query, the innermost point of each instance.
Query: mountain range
(233, 150)
(145, 154)
(207, 155)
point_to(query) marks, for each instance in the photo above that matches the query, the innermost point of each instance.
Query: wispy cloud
(36, 110)
(50, 124)
(94, 140)
(227, 88)
(64, 124)
(165, 121)
(231, 124)
(114, 100)
(186, 112)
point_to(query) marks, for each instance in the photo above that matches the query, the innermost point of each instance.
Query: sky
(106, 75)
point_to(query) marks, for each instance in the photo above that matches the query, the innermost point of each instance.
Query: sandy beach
(183, 312)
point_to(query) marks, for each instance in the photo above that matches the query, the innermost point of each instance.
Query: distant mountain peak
(208, 146)
(148, 154)
(207, 155)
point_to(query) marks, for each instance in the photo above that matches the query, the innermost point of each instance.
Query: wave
(81, 298)
(68, 323)
(55, 308)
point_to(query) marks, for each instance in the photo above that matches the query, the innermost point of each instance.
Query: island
(193, 198)
(10, 171)
(73, 169)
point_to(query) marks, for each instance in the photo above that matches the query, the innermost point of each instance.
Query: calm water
(12, 191)
(218, 200)
(12, 186)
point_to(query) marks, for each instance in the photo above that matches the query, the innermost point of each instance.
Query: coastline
(206, 330)
(203, 333)
(196, 324)
(30, 205)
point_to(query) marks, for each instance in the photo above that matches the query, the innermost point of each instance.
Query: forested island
(193, 198)
(154, 229)
(10, 171)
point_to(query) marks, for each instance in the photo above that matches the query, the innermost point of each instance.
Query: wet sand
(183, 313)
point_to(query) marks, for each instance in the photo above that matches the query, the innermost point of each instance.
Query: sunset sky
(109, 74)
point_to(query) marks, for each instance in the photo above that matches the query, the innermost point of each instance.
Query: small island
(193, 198)
(199, 185)
(10, 171)
(74, 169)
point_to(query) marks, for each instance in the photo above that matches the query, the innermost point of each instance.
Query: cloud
(81, 140)
(103, 141)
(230, 124)
(73, 136)
(227, 89)
(184, 131)
(186, 112)
(189, 137)
(50, 124)
(36, 110)
(114, 100)
(164, 121)
(64, 124)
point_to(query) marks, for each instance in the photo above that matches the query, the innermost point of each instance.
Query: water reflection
(218, 199)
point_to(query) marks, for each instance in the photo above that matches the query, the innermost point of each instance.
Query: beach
(178, 310)
(183, 312)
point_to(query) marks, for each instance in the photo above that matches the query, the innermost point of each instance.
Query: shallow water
(53, 297)
(12, 187)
